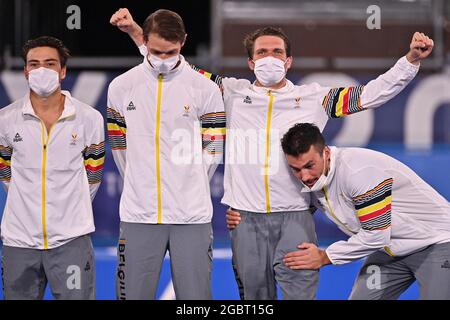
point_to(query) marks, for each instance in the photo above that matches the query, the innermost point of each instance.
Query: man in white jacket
(52, 152)
(392, 217)
(166, 126)
(257, 182)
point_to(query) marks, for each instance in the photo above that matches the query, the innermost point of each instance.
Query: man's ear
(289, 63)
(251, 64)
(25, 72)
(62, 74)
(184, 41)
(327, 152)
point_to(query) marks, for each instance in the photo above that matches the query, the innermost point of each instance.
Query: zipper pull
(45, 146)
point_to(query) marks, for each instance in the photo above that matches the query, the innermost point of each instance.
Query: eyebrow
(46, 60)
(274, 49)
(310, 162)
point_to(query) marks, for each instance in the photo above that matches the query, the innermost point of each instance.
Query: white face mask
(269, 71)
(43, 81)
(163, 65)
(320, 183)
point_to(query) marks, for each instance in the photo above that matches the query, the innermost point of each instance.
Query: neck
(54, 103)
(279, 85)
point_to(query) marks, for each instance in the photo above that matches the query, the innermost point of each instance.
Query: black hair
(47, 41)
(300, 138)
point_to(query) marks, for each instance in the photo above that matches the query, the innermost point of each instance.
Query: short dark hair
(47, 41)
(249, 41)
(166, 24)
(300, 138)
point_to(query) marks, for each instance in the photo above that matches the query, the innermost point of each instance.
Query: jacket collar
(334, 154)
(288, 87)
(154, 73)
(69, 106)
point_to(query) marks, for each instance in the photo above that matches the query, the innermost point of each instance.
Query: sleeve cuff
(404, 64)
(330, 257)
(143, 50)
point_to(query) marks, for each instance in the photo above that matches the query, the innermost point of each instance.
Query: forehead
(269, 42)
(303, 158)
(42, 53)
(156, 42)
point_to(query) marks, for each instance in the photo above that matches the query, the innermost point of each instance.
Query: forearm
(94, 159)
(93, 188)
(136, 34)
(345, 101)
(358, 246)
(120, 157)
(388, 85)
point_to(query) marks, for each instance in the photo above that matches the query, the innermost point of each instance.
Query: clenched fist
(123, 20)
(420, 48)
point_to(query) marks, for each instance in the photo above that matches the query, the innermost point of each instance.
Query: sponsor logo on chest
(17, 138)
(131, 106)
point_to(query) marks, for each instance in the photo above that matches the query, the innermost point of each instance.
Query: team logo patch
(297, 102)
(74, 139)
(186, 110)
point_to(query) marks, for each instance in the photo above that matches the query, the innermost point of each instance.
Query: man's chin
(310, 185)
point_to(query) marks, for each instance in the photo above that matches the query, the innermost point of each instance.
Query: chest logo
(74, 139)
(17, 138)
(186, 110)
(297, 102)
(131, 106)
(248, 100)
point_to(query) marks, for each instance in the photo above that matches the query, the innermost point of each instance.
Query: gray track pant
(385, 277)
(260, 242)
(69, 269)
(141, 251)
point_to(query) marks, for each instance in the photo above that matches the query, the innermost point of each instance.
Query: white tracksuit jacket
(381, 204)
(50, 177)
(166, 133)
(257, 177)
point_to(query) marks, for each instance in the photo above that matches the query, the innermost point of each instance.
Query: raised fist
(420, 48)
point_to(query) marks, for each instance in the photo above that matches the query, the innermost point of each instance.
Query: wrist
(134, 29)
(324, 258)
(412, 60)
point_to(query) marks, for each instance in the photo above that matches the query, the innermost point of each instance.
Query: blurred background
(333, 42)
